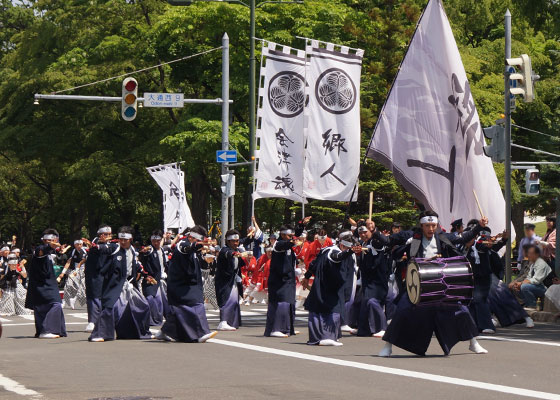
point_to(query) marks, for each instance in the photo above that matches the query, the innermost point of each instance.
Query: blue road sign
(223, 156)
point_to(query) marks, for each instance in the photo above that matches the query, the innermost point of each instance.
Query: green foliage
(77, 164)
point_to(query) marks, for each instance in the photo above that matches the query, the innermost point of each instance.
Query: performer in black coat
(326, 299)
(154, 261)
(186, 320)
(42, 291)
(228, 282)
(94, 281)
(282, 285)
(412, 326)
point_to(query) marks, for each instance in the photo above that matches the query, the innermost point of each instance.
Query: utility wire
(556, 138)
(137, 71)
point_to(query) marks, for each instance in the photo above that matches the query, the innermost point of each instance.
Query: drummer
(412, 326)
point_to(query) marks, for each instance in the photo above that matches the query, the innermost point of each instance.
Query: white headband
(429, 220)
(287, 232)
(105, 229)
(15, 250)
(233, 237)
(155, 237)
(5, 248)
(485, 233)
(125, 235)
(196, 236)
(346, 243)
(321, 237)
(49, 236)
(209, 256)
(78, 242)
(13, 261)
(363, 228)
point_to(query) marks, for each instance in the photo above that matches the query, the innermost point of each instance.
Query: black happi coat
(184, 279)
(152, 267)
(95, 262)
(42, 287)
(77, 256)
(330, 269)
(282, 278)
(374, 271)
(115, 274)
(226, 273)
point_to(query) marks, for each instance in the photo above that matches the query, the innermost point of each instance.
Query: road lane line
(505, 339)
(33, 323)
(12, 386)
(394, 371)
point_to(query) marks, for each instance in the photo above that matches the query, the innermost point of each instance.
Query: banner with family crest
(332, 157)
(280, 123)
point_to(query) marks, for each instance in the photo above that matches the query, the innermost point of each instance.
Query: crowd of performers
(354, 281)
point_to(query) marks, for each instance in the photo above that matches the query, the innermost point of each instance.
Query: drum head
(413, 283)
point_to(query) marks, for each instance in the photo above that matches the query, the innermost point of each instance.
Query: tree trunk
(199, 203)
(517, 219)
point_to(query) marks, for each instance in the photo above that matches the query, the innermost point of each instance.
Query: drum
(440, 280)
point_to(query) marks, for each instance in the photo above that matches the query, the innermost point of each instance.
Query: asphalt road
(521, 363)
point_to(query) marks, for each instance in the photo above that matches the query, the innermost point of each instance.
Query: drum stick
(478, 204)
(370, 204)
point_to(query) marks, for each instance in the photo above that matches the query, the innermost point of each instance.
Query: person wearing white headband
(12, 301)
(155, 264)
(74, 287)
(94, 281)
(281, 311)
(129, 319)
(42, 290)
(228, 282)
(253, 240)
(412, 327)
(333, 268)
(186, 320)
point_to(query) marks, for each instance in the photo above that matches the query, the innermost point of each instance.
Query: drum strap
(414, 247)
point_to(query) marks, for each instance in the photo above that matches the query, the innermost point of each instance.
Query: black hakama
(504, 304)
(227, 282)
(94, 280)
(281, 312)
(412, 326)
(153, 267)
(186, 319)
(132, 315)
(326, 298)
(42, 294)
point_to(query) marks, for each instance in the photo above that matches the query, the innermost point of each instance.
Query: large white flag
(332, 157)
(171, 180)
(429, 133)
(280, 117)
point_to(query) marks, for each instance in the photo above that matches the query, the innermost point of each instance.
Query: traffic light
(532, 182)
(129, 99)
(525, 77)
(497, 148)
(228, 184)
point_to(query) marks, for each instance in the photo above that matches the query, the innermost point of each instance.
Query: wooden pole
(370, 204)
(478, 204)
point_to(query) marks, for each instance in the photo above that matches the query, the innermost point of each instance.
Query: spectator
(530, 238)
(548, 244)
(533, 286)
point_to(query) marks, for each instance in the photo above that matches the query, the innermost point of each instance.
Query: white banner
(280, 118)
(429, 133)
(171, 180)
(332, 158)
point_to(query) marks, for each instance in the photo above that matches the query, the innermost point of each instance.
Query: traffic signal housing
(129, 99)
(228, 184)
(524, 76)
(497, 148)
(532, 182)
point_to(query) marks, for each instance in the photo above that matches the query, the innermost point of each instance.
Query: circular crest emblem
(119, 258)
(286, 94)
(335, 91)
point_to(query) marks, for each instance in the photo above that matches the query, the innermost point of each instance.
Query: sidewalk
(549, 313)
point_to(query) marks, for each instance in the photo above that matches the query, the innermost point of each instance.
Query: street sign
(223, 156)
(163, 100)
(512, 84)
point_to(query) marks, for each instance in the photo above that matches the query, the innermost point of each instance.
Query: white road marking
(4, 320)
(394, 371)
(505, 339)
(17, 388)
(28, 317)
(33, 323)
(78, 315)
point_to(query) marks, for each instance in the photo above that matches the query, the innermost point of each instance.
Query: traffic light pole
(225, 129)
(507, 23)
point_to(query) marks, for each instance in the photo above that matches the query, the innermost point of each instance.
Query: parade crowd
(401, 285)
